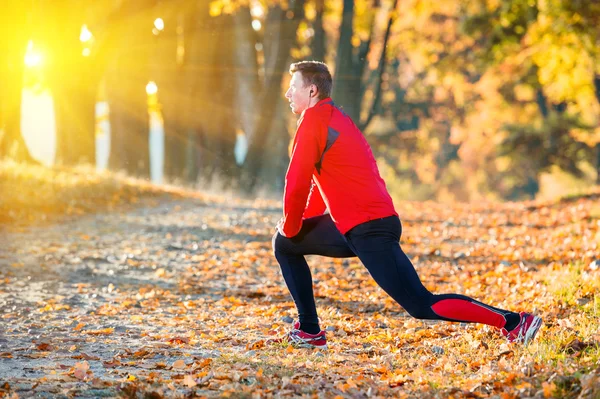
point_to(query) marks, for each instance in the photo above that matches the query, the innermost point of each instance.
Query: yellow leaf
(131, 377)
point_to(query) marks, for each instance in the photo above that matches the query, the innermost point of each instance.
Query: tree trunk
(281, 29)
(213, 93)
(246, 66)
(381, 67)
(318, 39)
(12, 52)
(342, 93)
(224, 137)
(168, 72)
(597, 90)
(73, 80)
(350, 64)
(128, 108)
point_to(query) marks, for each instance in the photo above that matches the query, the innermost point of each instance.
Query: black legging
(376, 243)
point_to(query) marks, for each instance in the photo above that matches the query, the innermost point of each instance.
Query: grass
(35, 194)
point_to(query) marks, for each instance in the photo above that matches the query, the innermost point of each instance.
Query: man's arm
(315, 206)
(308, 144)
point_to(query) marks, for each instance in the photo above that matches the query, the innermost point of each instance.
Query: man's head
(310, 83)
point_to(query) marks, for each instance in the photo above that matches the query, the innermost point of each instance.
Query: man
(332, 168)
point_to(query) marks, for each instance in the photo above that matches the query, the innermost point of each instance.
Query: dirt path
(63, 287)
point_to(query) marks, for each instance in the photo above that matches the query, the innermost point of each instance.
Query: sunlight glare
(159, 24)
(256, 25)
(257, 10)
(85, 35)
(151, 88)
(33, 58)
(86, 52)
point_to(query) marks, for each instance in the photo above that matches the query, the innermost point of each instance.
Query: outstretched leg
(377, 245)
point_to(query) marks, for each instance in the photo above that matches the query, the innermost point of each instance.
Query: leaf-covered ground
(171, 295)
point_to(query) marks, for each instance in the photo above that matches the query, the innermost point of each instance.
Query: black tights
(376, 243)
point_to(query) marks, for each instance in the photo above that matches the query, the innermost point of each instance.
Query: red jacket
(332, 167)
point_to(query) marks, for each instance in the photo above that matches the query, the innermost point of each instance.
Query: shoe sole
(309, 346)
(297, 345)
(532, 330)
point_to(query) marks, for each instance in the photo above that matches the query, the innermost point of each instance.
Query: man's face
(298, 95)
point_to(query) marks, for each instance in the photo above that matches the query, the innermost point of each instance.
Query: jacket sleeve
(308, 144)
(316, 205)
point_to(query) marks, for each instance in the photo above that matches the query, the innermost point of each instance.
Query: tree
(73, 79)
(281, 27)
(167, 68)
(548, 50)
(13, 26)
(318, 49)
(126, 79)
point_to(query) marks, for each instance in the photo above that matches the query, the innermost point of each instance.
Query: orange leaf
(549, 388)
(105, 331)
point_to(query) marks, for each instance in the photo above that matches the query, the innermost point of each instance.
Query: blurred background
(462, 100)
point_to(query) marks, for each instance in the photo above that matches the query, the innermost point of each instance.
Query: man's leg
(318, 236)
(377, 245)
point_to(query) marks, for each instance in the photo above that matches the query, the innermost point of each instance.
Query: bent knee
(421, 312)
(421, 309)
(278, 242)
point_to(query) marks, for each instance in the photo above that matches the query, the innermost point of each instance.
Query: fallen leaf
(80, 370)
(256, 345)
(79, 326)
(189, 381)
(178, 364)
(85, 356)
(105, 331)
(548, 388)
(44, 346)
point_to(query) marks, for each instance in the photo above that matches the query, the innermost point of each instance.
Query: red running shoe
(300, 339)
(525, 331)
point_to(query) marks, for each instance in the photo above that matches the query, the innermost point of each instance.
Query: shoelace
(298, 340)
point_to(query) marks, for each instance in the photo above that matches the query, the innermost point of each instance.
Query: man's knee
(278, 242)
(421, 312)
(421, 308)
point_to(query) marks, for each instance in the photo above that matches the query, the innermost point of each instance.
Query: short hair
(316, 73)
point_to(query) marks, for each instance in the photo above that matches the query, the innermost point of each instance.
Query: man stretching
(332, 168)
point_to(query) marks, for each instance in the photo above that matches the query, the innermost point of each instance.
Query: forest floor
(111, 287)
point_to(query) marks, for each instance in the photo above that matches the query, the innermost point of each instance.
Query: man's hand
(280, 226)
